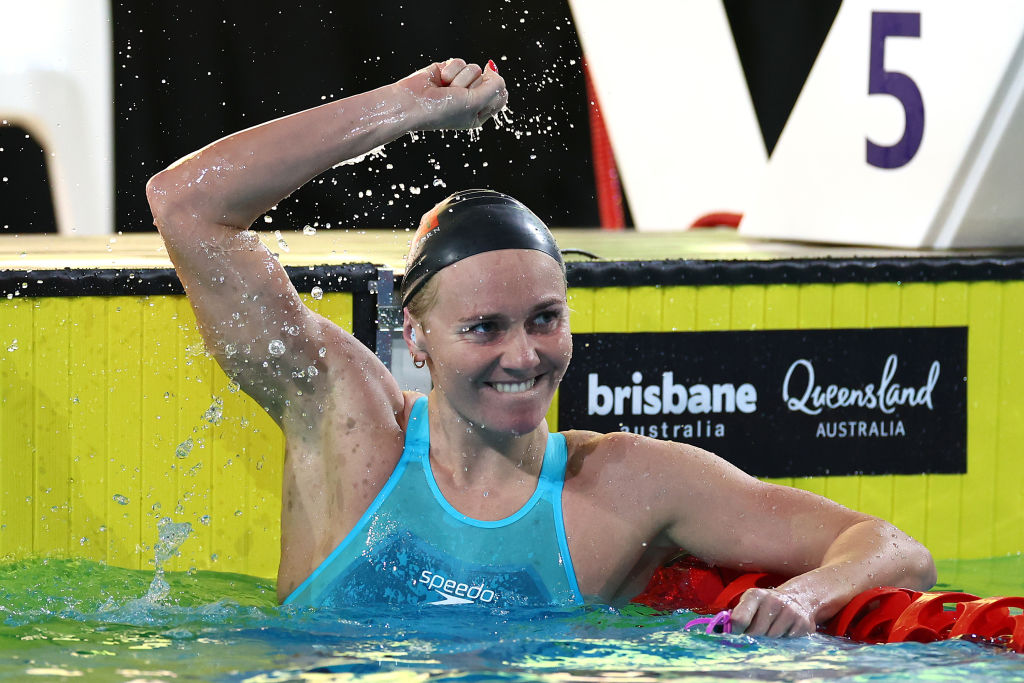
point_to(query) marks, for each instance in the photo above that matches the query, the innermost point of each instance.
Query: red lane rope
(878, 615)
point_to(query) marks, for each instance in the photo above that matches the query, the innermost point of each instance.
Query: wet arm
(248, 312)
(833, 553)
(868, 553)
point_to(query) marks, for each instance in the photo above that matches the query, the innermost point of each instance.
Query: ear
(412, 332)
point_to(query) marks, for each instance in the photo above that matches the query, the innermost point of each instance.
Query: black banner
(782, 403)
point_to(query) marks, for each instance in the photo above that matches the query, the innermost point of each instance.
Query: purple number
(899, 85)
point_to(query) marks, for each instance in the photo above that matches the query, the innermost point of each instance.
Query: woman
(465, 497)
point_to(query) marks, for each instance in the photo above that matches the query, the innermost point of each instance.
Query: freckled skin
(497, 343)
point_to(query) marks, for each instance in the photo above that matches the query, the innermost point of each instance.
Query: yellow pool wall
(97, 394)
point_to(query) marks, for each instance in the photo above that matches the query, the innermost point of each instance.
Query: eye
(483, 328)
(546, 320)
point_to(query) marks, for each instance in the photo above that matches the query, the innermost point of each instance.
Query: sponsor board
(782, 403)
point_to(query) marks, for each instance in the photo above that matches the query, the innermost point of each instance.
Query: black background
(774, 441)
(186, 73)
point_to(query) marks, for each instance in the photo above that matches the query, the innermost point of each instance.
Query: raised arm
(832, 553)
(249, 313)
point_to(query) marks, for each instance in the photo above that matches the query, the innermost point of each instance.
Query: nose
(520, 351)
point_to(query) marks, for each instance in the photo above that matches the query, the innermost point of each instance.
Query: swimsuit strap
(552, 471)
(417, 431)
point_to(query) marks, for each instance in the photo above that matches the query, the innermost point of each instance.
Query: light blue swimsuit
(412, 547)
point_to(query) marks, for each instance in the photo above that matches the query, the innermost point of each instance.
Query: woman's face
(497, 338)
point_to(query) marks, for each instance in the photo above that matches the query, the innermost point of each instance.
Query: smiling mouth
(514, 387)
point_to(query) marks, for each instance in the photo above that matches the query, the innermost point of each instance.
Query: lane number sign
(899, 85)
(909, 131)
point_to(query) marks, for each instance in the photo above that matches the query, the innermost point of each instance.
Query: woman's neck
(474, 454)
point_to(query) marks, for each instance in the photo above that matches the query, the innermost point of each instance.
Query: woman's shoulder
(594, 451)
(621, 443)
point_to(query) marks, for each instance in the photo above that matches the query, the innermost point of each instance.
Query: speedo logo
(454, 593)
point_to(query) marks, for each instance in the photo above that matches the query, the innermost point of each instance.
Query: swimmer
(463, 496)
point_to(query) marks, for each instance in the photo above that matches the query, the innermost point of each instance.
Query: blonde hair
(423, 301)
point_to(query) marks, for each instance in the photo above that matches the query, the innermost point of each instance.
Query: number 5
(899, 85)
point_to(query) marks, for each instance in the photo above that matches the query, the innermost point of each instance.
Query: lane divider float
(880, 615)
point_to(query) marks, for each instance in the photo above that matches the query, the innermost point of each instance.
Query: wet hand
(454, 95)
(772, 613)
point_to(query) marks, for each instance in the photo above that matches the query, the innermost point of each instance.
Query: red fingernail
(491, 65)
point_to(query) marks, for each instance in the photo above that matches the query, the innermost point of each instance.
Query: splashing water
(376, 153)
(84, 619)
(280, 240)
(215, 413)
(184, 448)
(503, 117)
(170, 536)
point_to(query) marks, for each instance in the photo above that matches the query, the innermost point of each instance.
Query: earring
(418, 364)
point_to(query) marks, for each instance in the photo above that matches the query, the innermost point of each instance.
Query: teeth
(514, 387)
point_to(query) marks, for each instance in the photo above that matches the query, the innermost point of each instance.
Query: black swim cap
(469, 223)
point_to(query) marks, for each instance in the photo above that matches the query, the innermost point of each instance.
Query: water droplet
(184, 448)
(120, 500)
(205, 520)
(309, 230)
(280, 240)
(13, 346)
(171, 535)
(215, 413)
(276, 347)
(317, 293)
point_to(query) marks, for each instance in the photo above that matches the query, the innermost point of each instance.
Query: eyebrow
(553, 301)
(545, 303)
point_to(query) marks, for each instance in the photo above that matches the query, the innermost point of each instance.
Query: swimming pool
(183, 441)
(65, 619)
(114, 416)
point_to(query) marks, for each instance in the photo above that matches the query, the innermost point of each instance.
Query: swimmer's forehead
(506, 282)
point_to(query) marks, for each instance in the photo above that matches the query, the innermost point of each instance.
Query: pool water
(67, 619)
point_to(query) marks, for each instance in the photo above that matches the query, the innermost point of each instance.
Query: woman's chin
(522, 423)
